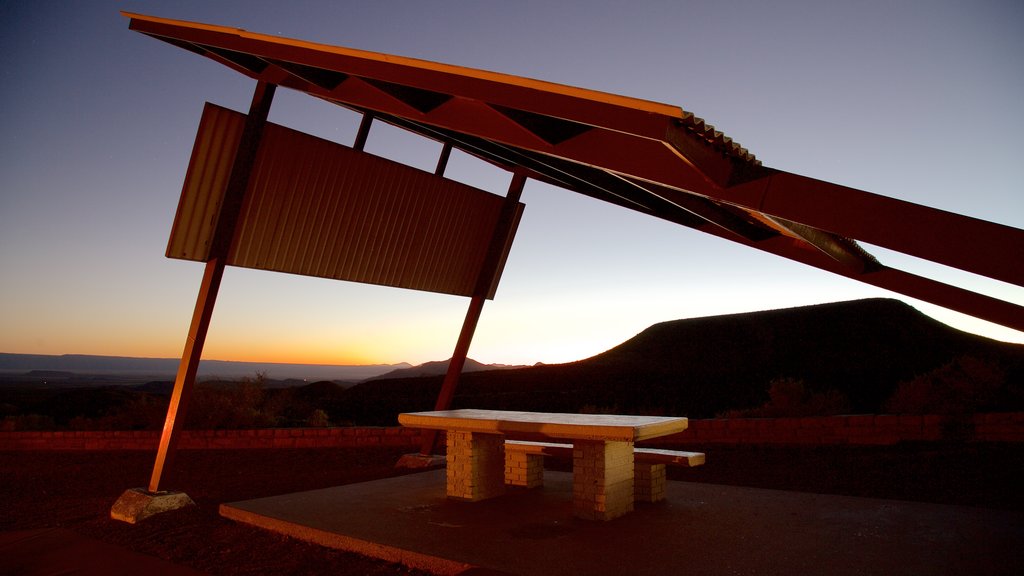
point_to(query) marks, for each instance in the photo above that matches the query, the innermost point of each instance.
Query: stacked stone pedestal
(475, 465)
(602, 477)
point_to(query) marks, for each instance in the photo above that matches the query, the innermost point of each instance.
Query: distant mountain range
(85, 367)
(704, 366)
(80, 369)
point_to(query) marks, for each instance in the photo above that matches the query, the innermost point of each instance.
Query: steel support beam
(970, 244)
(951, 297)
(187, 367)
(503, 235)
(227, 223)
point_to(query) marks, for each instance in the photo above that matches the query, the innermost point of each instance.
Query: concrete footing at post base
(137, 504)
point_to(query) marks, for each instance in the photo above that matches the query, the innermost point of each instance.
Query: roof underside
(649, 157)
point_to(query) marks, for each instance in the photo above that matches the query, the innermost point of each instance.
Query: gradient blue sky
(915, 100)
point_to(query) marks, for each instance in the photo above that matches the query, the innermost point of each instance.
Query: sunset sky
(920, 101)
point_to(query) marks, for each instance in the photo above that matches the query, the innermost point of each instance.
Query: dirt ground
(74, 490)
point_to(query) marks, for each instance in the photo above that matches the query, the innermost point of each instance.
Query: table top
(547, 425)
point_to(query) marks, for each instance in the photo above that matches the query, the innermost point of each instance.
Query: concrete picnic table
(602, 451)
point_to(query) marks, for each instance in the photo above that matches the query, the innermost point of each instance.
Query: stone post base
(137, 504)
(416, 461)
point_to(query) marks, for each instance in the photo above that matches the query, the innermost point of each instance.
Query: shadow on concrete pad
(706, 528)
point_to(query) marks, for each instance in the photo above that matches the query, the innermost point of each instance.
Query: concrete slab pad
(704, 528)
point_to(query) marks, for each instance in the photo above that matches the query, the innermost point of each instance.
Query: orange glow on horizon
(295, 353)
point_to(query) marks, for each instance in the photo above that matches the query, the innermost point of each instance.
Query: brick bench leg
(648, 482)
(522, 469)
(602, 479)
(475, 465)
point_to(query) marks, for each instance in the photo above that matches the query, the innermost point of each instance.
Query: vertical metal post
(485, 281)
(227, 221)
(364, 131)
(442, 161)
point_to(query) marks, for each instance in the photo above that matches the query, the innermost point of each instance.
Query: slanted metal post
(484, 285)
(224, 234)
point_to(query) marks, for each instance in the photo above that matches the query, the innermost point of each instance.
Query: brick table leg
(649, 482)
(602, 479)
(523, 469)
(475, 465)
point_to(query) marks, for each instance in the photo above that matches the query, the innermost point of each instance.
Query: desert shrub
(28, 422)
(790, 397)
(231, 405)
(594, 409)
(241, 404)
(318, 419)
(967, 384)
(142, 412)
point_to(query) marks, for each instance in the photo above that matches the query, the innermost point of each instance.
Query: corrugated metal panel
(207, 178)
(317, 208)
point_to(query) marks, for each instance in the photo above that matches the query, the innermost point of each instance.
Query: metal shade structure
(653, 158)
(264, 196)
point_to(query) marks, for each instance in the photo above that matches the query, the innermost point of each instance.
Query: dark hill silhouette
(704, 366)
(861, 348)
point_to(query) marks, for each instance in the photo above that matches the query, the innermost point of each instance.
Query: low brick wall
(864, 429)
(210, 439)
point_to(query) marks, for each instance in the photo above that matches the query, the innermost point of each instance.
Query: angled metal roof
(645, 156)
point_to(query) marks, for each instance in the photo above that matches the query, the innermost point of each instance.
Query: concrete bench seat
(524, 466)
